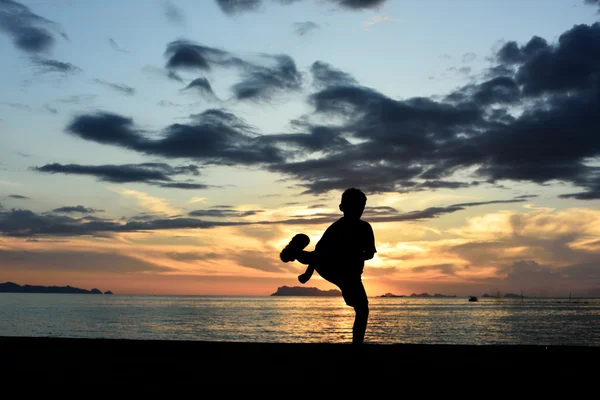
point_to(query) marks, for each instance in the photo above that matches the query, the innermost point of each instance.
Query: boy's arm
(370, 250)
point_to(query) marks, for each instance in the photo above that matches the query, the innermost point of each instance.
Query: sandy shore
(96, 360)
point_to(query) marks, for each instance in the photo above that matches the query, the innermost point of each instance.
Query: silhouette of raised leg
(296, 245)
(305, 277)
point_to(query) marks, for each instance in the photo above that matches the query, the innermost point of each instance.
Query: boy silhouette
(339, 257)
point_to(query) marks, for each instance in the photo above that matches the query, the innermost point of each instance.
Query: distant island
(11, 287)
(305, 291)
(420, 296)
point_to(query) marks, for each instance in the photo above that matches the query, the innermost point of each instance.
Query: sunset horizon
(176, 147)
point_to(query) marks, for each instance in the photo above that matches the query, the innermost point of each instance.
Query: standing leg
(356, 297)
(360, 324)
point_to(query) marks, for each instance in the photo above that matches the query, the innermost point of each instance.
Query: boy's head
(353, 203)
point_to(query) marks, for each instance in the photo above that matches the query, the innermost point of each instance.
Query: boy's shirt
(344, 243)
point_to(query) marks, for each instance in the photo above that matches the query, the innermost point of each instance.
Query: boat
(472, 298)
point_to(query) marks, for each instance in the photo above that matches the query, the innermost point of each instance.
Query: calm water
(301, 319)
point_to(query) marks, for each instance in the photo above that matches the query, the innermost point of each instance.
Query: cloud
(302, 28)
(82, 261)
(45, 65)
(469, 57)
(30, 32)
(530, 117)
(51, 109)
(157, 174)
(76, 209)
(18, 197)
(201, 86)
(446, 269)
(593, 3)
(26, 223)
(173, 13)
(219, 212)
(116, 46)
(213, 137)
(123, 89)
(164, 73)
(325, 75)
(551, 139)
(238, 6)
(258, 81)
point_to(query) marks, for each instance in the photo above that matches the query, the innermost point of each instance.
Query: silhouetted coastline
(11, 287)
(305, 291)
(421, 296)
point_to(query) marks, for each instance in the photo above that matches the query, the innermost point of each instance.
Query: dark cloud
(25, 223)
(157, 174)
(116, 46)
(302, 28)
(191, 256)
(202, 86)
(30, 32)
(123, 89)
(18, 197)
(51, 109)
(532, 118)
(555, 85)
(359, 4)
(45, 65)
(446, 269)
(593, 3)
(257, 81)
(174, 14)
(261, 82)
(317, 139)
(325, 75)
(185, 185)
(76, 209)
(213, 137)
(78, 99)
(239, 6)
(217, 212)
(80, 261)
(501, 90)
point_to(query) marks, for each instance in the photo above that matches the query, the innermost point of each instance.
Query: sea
(278, 319)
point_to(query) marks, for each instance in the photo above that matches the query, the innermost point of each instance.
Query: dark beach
(88, 361)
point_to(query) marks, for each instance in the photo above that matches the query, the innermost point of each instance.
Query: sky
(176, 146)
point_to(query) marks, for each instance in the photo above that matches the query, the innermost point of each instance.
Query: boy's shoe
(305, 277)
(296, 245)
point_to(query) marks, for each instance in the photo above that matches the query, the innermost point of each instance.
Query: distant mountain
(420, 296)
(10, 287)
(436, 296)
(305, 291)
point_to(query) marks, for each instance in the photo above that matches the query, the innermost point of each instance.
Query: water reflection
(300, 319)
